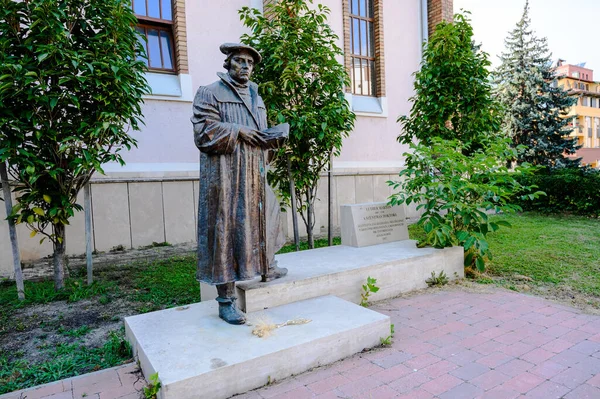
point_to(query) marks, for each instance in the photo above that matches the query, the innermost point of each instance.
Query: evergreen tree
(535, 107)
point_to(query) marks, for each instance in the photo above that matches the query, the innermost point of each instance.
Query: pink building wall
(574, 71)
(167, 136)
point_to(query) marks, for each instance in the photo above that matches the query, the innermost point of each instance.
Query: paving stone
(548, 369)
(441, 384)
(569, 358)
(548, 390)
(328, 384)
(416, 394)
(499, 392)
(354, 388)
(495, 359)
(571, 378)
(558, 345)
(524, 382)
(517, 349)
(439, 368)
(392, 359)
(490, 380)
(298, 393)
(537, 356)
(409, 382)
(584, 392)
(362, 371)
(421, 361)
(470, 371)
(489, 347)
(463, 391)
(595, 381)
(587, 347)
(514, 367)
(381, 392)
(393, 373)
(465, 357)
(589, 364)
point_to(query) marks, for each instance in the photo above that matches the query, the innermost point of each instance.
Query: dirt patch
(37, 330)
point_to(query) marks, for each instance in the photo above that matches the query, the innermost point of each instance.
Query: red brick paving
(449, 344)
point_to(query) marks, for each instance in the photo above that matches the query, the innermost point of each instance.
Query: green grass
(320, 243)
(66, 361)
(164, 284)
(557, 250)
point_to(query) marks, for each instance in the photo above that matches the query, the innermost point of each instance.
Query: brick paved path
(449, 343)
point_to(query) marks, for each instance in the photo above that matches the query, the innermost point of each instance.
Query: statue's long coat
(232, 203)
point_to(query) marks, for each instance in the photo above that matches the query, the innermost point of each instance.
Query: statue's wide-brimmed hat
(228, 48)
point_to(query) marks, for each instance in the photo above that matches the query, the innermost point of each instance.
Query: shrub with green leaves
(302, 83)
(572, 190)
(456, 168)
(71, 87)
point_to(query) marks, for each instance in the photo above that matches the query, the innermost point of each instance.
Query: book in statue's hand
(281, 130)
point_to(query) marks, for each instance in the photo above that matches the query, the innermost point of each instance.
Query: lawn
(53, 336)
(560, 254)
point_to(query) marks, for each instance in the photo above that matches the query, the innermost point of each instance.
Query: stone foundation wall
(136, 212)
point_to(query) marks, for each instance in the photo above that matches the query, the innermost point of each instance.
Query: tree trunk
(293, 202)
(14, 243)
(330, 201)
(309, 218)
(59, 256)
(88, 233)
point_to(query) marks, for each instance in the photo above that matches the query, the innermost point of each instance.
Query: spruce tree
(535, 107)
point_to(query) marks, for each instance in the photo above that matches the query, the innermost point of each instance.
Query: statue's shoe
(274, 272)
(231, 314)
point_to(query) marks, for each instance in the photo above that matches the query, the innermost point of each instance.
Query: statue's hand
(252, 137)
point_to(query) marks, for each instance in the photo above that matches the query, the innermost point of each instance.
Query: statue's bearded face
(241, 66)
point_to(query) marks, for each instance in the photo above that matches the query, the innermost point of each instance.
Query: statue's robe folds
(235, 242)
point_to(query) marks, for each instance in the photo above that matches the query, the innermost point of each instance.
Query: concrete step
(197, 355)
(342, 270)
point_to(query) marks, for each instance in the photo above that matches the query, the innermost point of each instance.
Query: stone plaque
(372, 223)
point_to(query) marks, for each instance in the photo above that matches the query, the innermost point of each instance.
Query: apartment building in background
(585, 114)
(153, 198)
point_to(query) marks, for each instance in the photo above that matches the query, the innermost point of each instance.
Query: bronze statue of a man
(238, 214)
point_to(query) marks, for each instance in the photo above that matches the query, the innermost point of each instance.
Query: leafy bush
(71, 87)
(573, 190)
(456, 171)
(303, 83)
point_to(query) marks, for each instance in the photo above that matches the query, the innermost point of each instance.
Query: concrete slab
(197, 355)
(342, 270)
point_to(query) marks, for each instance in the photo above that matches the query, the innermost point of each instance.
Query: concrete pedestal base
(197, 355)
(342, 270)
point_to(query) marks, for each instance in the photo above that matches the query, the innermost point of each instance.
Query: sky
(570, 26)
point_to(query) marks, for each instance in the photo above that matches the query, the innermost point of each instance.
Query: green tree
(535, 107)
(456, 169)
(303, 84)
(71, 87)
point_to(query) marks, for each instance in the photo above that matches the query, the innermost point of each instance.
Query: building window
(155, 24)
(588, 124)
(362, 47)
(586, 102)
(593, 101)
